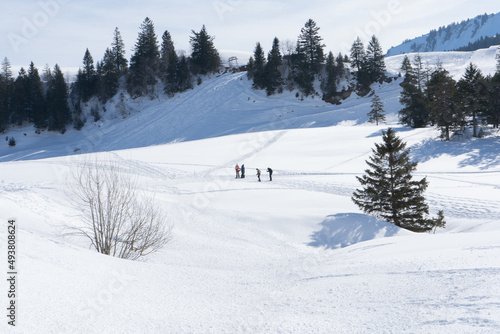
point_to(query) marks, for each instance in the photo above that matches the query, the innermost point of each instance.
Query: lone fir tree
(389, 191)
(376, 114)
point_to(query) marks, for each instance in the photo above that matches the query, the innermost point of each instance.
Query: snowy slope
(455, 62)
(294, 255)
(221, 106)
(452, 36)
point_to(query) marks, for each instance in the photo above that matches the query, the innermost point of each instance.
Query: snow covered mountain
(294, 255)
(451, 37)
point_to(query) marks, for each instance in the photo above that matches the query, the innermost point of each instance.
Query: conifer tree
(205, 56)
(340, 64)
(167, 48)
(375, 60)
(309, 57)
(301, 73)
(38, 111)
(330, 82)
(416, 112)
(87, 78)
(444, 107)
(420, 72)
(407, 68)
(309, 44)
(109, 75)
(144, 63)
(184, 79)
(250, 68)
(5, 93)
(57, 100)
(472, 91)
(19, 102)
(273, 79)
(118, 53)
(493, 100)
(358, 54)
(377, 112)
(171, 80)
(258, 68)
(360, 63)
(389, 191)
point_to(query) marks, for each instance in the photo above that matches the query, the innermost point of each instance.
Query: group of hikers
(242, 171)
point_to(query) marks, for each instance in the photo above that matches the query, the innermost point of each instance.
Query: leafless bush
(117, 219)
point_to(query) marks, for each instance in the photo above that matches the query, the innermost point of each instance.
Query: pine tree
(87, 78)
(19, 102)
(250, 68)
(493, 100)
(330, 83)
(340, 64)
(38, 111)
(309, 57)
(171, 80)
(144, 63)
(109, 75)
(375, 60)
(205, 56)
(360, 63)
(376, 113)
(6, 82)
(407, 68)
(389, 191)
(416, 112)
(358, 55)
(167, 48)
(258, 71)
(309, 44)
(300, 71)
(57, 100)
(444, 107)
(118, 53)
(273, 79)
(420, 72)
(184, 79)
(472, 90)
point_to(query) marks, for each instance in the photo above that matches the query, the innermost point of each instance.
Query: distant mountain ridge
(452, 36)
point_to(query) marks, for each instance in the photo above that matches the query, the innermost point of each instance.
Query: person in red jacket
(237, 168)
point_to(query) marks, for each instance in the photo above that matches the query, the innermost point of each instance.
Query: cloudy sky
(59, 31)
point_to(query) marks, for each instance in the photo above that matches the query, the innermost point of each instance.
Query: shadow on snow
(345, 229)
(483, 153)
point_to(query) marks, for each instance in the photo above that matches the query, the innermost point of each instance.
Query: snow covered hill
(451, 37)
(294, 255)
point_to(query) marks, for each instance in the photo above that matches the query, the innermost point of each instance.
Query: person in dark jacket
(270, 171)
(258, 173)
(242, 171)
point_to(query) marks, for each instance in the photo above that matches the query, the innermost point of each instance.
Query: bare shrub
(117, 219)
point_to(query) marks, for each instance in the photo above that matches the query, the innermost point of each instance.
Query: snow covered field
(294, 255)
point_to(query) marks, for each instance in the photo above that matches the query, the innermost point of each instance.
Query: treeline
(49, 102)
(433, 97)
(482, 43)
(305, 62)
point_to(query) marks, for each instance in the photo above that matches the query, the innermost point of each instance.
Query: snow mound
(345, 229)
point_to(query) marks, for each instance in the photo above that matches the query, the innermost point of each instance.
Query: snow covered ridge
(451, 37)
